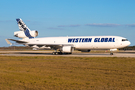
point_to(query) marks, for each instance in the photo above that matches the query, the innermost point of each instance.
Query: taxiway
(74, 54)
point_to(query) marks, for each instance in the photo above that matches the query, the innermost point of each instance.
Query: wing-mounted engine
(26, 34)
(67, 49)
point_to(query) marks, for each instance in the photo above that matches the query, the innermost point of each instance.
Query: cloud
(103, 25)
(130, 25)
(55, 28)
(28, 20)
(62, 26)
(76, 25)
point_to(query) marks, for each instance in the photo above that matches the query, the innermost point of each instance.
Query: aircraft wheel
(54, 53)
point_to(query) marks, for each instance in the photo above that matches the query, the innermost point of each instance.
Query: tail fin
(23, 27)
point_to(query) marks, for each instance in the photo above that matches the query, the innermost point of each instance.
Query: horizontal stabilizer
(17, 41)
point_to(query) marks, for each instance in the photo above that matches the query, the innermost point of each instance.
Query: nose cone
(128, 43)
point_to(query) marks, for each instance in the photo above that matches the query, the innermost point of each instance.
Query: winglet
(8, 42)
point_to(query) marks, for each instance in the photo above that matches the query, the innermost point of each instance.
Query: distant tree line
(128, 48)
(16, 48)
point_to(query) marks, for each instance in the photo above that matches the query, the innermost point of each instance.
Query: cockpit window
(124, 39)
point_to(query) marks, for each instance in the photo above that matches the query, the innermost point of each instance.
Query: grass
(70, 73)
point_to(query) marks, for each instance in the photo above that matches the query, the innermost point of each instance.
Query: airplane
(67, 44)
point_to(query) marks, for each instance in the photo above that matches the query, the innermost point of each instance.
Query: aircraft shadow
(127, 52)
(80, 54)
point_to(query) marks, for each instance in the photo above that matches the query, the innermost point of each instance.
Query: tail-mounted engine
(26, 34)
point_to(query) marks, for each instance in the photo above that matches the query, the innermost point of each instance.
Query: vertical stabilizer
(23, 27)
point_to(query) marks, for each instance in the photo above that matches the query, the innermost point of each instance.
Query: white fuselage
(67, 44)
(83, 42)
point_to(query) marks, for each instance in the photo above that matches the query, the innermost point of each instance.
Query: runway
(74, 54)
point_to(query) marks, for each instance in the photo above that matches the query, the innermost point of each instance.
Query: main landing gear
(111, 53)
(57, 53)
(60, 53)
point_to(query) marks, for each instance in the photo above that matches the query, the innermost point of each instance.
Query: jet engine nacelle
(67, 49)
(113, 49)
(21, 34)
(34, 33)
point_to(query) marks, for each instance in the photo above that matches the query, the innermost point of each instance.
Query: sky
(52, 18)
